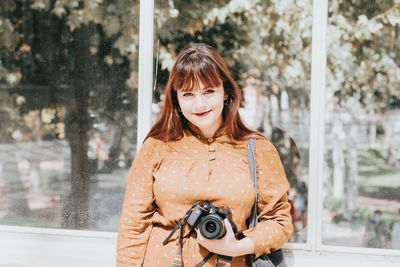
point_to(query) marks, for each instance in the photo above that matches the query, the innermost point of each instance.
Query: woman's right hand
(228, 245)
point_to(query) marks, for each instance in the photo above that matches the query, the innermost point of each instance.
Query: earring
(227, 101)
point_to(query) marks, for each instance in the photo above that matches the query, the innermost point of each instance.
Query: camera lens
(212, 226)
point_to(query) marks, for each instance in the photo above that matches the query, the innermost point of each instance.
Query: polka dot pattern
(167, 178)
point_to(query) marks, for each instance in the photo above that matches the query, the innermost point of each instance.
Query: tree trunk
(76, 212)
(372, 130)
(390, 140)
(338, 159)
(115, 148)
(352, 163)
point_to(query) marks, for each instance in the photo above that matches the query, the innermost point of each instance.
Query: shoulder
(264, 149)
(151, 147)
(263, 143)
(151, 142)
(163, 148)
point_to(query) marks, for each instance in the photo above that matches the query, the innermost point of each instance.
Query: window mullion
(317, 123)
(146, 29)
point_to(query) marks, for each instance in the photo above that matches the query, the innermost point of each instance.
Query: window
(362, 129)
(68, 105)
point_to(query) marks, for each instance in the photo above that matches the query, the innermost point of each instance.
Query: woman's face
(203, 107)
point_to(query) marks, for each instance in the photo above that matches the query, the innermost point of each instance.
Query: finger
(199, 235)
(229, 230)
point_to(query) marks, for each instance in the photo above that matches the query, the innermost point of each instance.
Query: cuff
(259, 244)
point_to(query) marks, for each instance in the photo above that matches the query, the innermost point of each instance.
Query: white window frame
(27, 246)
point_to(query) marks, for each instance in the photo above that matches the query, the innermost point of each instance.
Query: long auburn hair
(199, 63)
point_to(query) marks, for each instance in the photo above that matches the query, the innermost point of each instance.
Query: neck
(210, 132)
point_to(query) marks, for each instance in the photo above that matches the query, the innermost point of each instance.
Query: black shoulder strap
(276, 257)
(251, 143)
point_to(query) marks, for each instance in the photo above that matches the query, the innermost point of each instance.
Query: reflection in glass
(267, 46)
(68, 82)
(362, 136)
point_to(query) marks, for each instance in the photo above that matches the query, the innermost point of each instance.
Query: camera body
(209, 219)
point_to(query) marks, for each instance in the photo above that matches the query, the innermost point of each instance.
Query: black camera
(209, 219)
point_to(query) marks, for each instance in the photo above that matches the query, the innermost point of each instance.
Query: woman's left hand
(228, 245)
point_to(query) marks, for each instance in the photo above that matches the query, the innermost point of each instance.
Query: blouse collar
(197, 132)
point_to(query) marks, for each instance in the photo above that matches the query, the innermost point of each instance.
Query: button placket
(211, 149)
(212, 157)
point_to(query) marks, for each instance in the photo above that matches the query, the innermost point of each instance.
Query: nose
(199, 103)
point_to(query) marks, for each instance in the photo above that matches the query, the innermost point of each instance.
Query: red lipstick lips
(202, 114)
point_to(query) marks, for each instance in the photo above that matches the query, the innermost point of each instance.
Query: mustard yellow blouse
(166, 178)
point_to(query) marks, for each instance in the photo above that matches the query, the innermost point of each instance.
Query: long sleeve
(275, 225)
(138, 207)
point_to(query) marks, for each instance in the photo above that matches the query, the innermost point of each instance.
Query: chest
(224, 180)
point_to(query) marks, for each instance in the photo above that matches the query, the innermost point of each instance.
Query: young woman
(196, 151)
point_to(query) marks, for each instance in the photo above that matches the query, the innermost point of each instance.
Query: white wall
(33, 247)
(55, 248)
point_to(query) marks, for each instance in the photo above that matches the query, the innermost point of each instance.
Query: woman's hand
(228, 245)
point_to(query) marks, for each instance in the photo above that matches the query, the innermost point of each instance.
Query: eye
(209, 91)
(187, 94)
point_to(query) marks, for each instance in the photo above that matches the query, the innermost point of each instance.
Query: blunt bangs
(199, 64)
(193, 70)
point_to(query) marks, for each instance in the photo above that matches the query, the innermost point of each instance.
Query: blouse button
(210, 140)
(212, 157)
(211, 148)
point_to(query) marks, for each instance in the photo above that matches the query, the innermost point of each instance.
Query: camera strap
(178, 258)
(180, 226)
(223, 261)
(206, 258)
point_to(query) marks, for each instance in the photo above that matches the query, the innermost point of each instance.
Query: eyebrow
(203, 89)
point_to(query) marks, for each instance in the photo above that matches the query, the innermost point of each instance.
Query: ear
(225, 96)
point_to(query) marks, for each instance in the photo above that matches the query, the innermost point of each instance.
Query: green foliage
(12, 126)
(334, 204)
(378, 179)
(8, 37)
(388, 218)
(373, 162)
(41, 43)
(363, 53)
(272, 37)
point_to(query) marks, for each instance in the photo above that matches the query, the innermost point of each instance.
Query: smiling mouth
(202, 114)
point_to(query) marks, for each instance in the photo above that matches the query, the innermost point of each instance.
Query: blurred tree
(12, 127)
(274, 37)
(83, 54)
(363, 76)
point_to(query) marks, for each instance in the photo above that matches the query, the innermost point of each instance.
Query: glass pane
(362, 138)
(267, 47)
(68, 109)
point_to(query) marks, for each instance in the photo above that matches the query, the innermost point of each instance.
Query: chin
(203, 125)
